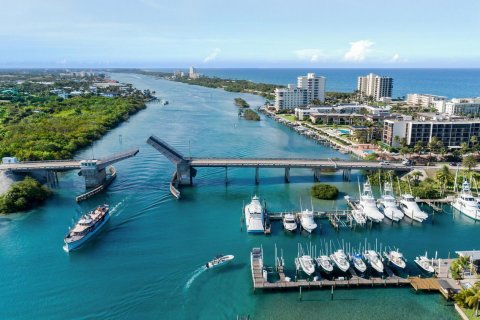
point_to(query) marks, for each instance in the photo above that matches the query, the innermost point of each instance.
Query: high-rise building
(308, 88)
(192, 74)
(375, 86)
(314, 85)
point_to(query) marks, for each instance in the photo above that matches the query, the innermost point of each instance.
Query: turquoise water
(147, 262)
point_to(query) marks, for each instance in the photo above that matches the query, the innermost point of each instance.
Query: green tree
(444, 176)
(418, 146)
(469, 162)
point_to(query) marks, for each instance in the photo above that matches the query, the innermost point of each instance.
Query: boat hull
(472, 214)
(71, 246)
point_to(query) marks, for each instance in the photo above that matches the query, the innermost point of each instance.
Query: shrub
(324, 191)
(23, 195)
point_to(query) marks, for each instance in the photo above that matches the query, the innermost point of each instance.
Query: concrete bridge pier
(287, 175)
(347, 174)
(52, 178)
(184, 173)
(316, 175)
(92, 174)
(257, 175)
(226, 175)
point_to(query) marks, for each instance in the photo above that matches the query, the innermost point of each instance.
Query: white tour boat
(395, 258)
(306, 220)
(368, 205)
(389, 205)
(219, 261)
(340, 259)
(289, 222)
(466, 203)
(324, 263)
(374, 260)
(254, 216)
(411, 209)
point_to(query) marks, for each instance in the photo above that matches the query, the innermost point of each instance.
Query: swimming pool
(343, 131)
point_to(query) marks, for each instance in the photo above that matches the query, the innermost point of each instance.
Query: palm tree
(473, 300)
(416, 175)
(418, 146)
(444, 176)
(474, 141)
(469, 162)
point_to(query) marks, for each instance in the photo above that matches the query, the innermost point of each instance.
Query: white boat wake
(195, 274)
(114, 209)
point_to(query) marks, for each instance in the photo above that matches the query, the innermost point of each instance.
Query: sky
(246, 33)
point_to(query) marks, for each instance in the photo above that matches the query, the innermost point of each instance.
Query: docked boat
(374, 260)
(424, 264)
(411, 209)
(368, 205)
(306, 220)
(324, 264)
(254, 216)
(340, 259)
(395, 258)
(358, 263)
(358, 216)
(466, 203)
(388, 204)
(219, 261)
(289, 222)
(86, 228)
(306, 264)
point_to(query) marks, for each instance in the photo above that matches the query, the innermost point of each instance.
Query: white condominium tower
(375, 86)
(315, 86)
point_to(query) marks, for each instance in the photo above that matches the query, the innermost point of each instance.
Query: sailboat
(388, 204)
(368, 205)
(374, 260)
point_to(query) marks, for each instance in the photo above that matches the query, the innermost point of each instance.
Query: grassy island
(23, 195)
(324, 191)
(239, 102)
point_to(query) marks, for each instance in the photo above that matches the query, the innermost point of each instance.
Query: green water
(147, 264)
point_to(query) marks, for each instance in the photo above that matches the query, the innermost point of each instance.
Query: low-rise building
(335, 118)
(452, 131)
(423, 100)
(302, 113)
(459, 106)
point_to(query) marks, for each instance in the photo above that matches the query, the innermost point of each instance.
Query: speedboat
(368, 205)
(358, 216)
(466, 203)
(219, 261)
(340, 259)
(306, 264)
(374, 260)
(324, 263)
(358, 263)
(424, 264)
(289, 222)
(388, 205)
(87, 226)
(411, 209)
(306, 220)
(254, 216)
(395, 258)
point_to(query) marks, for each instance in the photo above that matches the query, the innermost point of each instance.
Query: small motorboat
(395, 258)
(340, 259)
(306, 264)
(424, 264)
(324, 264)
(374, 260)
(289, 222)
(306, 220)
(358, 263)
(219, 261)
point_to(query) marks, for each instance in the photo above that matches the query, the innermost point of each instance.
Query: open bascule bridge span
(186, 166)
(92, 170)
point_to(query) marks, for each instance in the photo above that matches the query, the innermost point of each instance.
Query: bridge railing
(43, 161)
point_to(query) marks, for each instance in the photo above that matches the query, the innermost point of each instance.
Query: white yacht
(306, 264)
(368, 205)
(424, 263)
(219, 260)
(289, 222)
(306, 220)
(374, 260)
(411, 209)
(254, 216)
(340, 259)
(359, 217)
(395, 258)
(358, 262)
(466, 203)
(388, 204)
(324, 263)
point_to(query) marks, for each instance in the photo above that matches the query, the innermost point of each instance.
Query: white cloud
(397, 58)
(358, 50)
(212, 55)
(312, 55)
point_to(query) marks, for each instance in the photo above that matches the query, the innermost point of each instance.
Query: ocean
(148, 262)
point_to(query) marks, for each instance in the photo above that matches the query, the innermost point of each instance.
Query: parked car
(384, 163)
(454, 164)
(406, 162)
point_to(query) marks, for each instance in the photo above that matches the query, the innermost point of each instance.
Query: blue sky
(222, 33)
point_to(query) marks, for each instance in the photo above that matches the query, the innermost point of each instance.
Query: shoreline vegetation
(249, 114)
(23, 195)
(239, 102)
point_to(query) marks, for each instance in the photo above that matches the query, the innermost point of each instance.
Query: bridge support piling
(316, 175)
(287, 175)
(184, 173)
(257, 175)
(226, 175)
